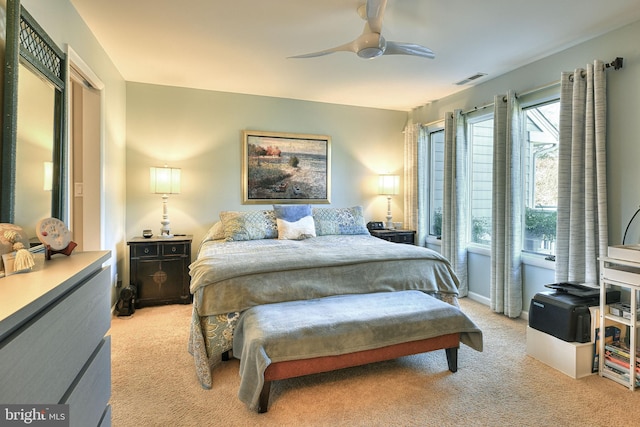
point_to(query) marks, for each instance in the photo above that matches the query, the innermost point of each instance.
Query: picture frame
(8, 260)
(285, 168)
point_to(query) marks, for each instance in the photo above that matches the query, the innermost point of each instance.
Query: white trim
(479, 298)
(486, 301)
(433, 240)
(476, 248)
(91, 80)
(538, 261)
(81, 67)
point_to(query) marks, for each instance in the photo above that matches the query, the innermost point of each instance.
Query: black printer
(564, 312)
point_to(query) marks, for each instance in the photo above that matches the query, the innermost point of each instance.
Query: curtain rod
(616, 64)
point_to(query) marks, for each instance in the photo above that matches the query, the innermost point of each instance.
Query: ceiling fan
(370, 44)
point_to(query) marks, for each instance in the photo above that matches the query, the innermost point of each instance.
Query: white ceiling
(242, 46)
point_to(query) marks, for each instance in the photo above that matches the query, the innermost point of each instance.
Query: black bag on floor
(126, 303)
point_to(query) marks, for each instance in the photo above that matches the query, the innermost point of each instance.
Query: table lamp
(389, 185)
(165, 181)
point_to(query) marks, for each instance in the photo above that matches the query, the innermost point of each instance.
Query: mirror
(32, 179)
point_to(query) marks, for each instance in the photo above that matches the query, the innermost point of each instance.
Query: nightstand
(396, 236)
(159, 269)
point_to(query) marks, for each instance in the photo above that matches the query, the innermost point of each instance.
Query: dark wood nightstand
(396, 236)
(159, 269)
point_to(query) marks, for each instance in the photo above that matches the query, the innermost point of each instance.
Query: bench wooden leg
(452, 358)
(263, 403)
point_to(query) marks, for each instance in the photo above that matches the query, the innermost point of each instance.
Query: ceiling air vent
(471, 78)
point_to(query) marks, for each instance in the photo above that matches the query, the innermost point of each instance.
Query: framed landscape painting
(285, 168)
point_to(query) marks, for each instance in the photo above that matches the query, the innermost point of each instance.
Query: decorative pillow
(294, 222)
(252, 225)
(339, 221)
(216, 232)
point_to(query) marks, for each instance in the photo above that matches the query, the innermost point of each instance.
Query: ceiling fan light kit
(370, 44)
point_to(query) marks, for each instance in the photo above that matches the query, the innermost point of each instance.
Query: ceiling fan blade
(397, 48)
(347, 47)
(375, 12)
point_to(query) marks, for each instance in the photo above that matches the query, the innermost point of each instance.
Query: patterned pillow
(294, 222)
(215, 232)
(339, 221)
(252, 225)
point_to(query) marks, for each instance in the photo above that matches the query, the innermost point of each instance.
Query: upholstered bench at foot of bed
(298, 368)
(287, 340)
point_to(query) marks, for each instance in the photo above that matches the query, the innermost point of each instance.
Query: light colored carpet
(154, 384)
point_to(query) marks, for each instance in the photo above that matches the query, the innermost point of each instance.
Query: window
(436, 181)
(540, 157)
(480, 134)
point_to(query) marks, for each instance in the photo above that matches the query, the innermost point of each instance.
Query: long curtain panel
(506, 211)
(415, 190)
(582, 234)
(455, 201)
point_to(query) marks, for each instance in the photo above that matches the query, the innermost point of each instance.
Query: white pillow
(304, 228)
(294, 222)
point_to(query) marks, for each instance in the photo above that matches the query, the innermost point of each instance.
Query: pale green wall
(200, 132)
(623, 131)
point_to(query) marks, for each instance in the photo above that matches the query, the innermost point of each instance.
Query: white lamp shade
(389, 185)
(164, 180)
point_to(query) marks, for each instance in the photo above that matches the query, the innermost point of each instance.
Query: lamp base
(165, 231)
(389, 224)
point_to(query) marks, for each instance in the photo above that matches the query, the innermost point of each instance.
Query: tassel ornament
(24, 259)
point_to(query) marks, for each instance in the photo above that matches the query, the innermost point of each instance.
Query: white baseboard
(486, 301)
(479, 298)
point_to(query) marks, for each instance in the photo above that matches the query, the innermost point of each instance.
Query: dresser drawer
(43, 357)
(89, 396)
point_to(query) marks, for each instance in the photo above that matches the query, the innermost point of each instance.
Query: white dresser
(53, 348)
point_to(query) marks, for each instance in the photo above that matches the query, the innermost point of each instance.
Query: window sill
(526, 259)
(538, 261)
(474, 248)
(432, 240)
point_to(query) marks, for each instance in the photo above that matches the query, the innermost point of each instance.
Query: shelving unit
(624, 274)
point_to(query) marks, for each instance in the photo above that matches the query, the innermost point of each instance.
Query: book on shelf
(620, 375)
(620, 350)
(625, 252)
(620, 360)
(611, 335)
(612, 362)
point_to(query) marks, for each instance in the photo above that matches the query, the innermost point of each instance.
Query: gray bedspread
(234, 276)
(339, 325)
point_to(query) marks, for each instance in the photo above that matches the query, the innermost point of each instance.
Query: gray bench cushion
(339, 325)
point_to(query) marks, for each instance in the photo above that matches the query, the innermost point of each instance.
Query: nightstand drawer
(174, 249)
(150, 249)
(395, 236)
(403, 238)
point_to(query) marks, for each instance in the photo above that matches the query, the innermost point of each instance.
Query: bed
(294, 253)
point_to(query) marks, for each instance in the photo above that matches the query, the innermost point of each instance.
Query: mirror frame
(27, 41)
